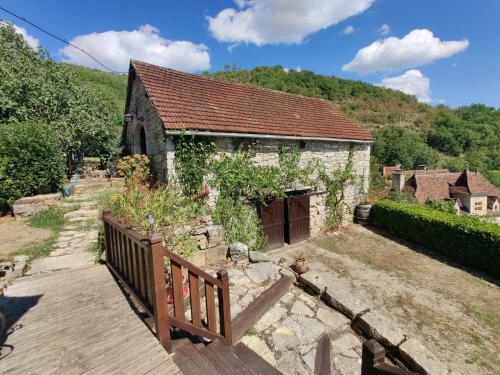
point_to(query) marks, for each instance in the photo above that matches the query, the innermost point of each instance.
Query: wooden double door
(285, 220)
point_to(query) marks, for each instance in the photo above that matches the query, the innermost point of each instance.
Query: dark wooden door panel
(273, 225)
(298, 218)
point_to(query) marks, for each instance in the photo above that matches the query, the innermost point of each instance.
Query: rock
(202, 241)
(200, 229)
(290, 363)
(342, 299)
(310, 359)
(256, 257)
(306, 329)
(270, 317)
(260, 272)
(348, 363)
(379, 327)
(238, 251)
(286, 272)
(259, 346)
(215, 235)
(345, 342)
(420, 359)
(332, 318)
(284, 338)
(300, 308)
(28, 206)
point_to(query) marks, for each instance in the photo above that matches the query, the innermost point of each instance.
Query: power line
(58, 38)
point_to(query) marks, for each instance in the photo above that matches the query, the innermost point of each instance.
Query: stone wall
(27, 206)
(161, 151)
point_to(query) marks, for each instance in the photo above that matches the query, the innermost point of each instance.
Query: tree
(397, 145)
(34, 87)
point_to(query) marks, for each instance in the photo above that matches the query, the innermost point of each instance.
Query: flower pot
(300, 267)
(362, 213)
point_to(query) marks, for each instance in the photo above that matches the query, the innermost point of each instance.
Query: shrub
(440, 205)
(136, 169)
(31, 161)
(171, 210)
(241, 223)
(463, 238)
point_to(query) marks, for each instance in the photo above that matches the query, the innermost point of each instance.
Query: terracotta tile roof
(440, 185)
(477, 184)
(188, 101)
(431, 185)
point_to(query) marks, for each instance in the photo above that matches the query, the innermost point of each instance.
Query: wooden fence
(139, 262)
(373, 356)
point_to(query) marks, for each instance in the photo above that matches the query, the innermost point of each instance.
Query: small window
(478, 206)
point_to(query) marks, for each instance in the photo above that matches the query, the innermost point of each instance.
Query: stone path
(287, 335)
(73, 247)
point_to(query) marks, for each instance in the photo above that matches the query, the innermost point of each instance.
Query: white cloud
(280, 21)
(31, 40)
(385, 29)
(115, 48)
(348, 30)
(418, 47)
(412, 82)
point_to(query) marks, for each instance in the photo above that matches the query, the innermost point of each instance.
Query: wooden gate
(297, 218)
(273, 224)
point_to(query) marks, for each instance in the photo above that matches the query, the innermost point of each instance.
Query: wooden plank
(149, 287)
(258, 307)
(210, 306)
(191, 362)
(322, 362)
(191, 328)
(215, 361)
(253, 361)
(177, 291)
(272, 218)
(160, 293)
(143, 287)
(194, 298)
(224, 307)
(220, 349)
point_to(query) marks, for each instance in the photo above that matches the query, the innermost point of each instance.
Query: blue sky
(442, 51)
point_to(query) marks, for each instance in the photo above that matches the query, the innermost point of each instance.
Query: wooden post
(373, 354)
(107, 235)
(225, 307)
(160, 291)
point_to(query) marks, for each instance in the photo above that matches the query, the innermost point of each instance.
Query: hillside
(369, 105)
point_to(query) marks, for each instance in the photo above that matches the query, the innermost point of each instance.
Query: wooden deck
(77, 322)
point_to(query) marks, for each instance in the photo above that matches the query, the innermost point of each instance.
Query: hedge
(465, 239)
(31, 161)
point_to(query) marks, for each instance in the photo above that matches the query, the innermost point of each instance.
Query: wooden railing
(373, 356)
(139, 262)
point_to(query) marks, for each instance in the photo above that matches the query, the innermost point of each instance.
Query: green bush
(463, 238)
(241, 223)
(31, 161)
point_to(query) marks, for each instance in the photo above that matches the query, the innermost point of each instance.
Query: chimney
(398, 180)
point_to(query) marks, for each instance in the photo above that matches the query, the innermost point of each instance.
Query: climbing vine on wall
(335, 184)
(192, 161)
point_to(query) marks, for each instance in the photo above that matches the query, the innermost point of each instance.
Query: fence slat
(194, 298)
(210, 304)
(142, 274)
(149, 285)
(224, 306)
(177, 291)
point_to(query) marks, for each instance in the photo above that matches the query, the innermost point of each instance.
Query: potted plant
(300, 264)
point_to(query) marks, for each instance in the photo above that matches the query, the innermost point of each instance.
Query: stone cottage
(473, 193)
(162, 103)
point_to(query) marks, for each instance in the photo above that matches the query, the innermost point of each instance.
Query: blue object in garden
(71, 185)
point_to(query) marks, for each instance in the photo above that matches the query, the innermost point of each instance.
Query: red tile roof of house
(441, 185)
(188, 101)
(431, 185)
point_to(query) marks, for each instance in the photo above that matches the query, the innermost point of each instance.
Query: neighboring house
(162, 103)
(474, 194)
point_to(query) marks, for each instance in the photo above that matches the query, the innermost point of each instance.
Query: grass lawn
(51, 219)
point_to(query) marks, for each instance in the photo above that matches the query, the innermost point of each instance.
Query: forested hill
(370, 105)
(406, 131)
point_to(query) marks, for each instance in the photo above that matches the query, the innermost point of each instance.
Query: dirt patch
(454, 312)
(16, 235)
